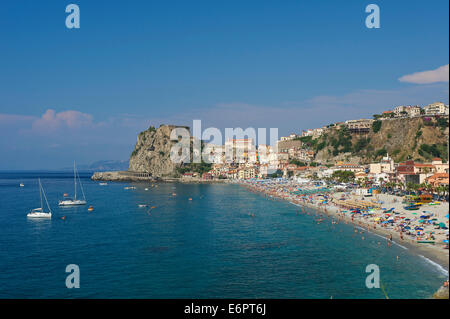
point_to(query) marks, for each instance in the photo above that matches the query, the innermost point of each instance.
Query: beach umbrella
(407, 227)
(441, 225)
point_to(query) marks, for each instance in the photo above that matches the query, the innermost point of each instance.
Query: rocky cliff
(419, 139)
(152, 152)
(442, 293)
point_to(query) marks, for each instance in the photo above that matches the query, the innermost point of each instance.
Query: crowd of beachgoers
(426, 227)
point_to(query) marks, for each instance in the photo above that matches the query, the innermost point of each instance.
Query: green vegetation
(305, 139)
(419, 133)
(376, 126)
(297, 162)
(343, 176)
(199, 168)
(361, 144)
(442, 122)
(435, 150)
(343, 142)
(317, 144)
(321, 146)
(381, 152)
(278, 173)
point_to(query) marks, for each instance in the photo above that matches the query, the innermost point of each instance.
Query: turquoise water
(210, 247)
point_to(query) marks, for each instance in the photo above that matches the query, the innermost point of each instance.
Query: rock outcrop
(442, 293)
(417, 138)
(152, 152)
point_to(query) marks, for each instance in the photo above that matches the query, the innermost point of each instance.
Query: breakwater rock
(122, 176)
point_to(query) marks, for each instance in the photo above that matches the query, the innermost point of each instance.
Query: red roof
(437, 175)
(423, 165)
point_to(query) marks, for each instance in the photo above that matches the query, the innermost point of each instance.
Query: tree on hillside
(376, 126)
(343, 176)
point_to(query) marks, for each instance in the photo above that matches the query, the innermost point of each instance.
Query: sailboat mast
(75, 180)
(40, 193)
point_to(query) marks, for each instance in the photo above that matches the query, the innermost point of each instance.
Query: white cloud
(52, 120)
(426, 77)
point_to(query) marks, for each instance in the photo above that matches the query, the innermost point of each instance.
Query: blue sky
(287, 64)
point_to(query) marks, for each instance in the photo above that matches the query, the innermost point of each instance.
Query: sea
(207, 241)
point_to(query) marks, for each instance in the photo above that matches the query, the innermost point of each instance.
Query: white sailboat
(39, 212)
(74, 201)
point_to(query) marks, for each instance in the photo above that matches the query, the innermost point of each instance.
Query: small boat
(146, 189)
(39, 212)
(90, 208)
(130, 187)
(103, 184)
(21, 185)
(142, 205)
(74, 201)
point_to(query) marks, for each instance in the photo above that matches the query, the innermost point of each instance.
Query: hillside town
(292, 157)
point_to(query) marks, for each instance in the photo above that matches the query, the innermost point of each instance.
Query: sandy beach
(417, 230)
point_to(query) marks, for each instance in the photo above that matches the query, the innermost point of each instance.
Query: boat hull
(39, 215)
(72, 202)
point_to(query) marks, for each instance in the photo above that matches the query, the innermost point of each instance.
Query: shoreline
(431, 252)
(434, 254)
